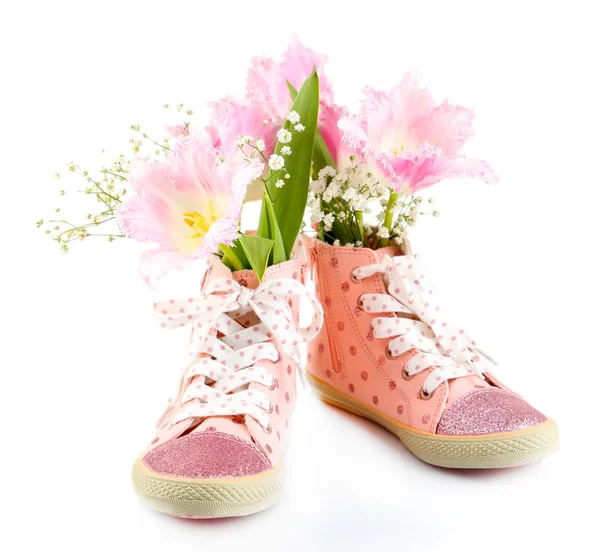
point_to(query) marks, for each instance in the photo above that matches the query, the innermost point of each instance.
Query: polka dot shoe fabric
(219, 447)
(388, 352)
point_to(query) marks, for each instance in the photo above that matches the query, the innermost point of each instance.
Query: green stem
(120, 176)
(389, 217)
(155, 142)
(359, 220)
(231, 256)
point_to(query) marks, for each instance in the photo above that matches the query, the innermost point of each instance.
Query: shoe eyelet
(272, 386)
(270, 410)
(268, 429)
(405, 374)
(389, 354)
(353, 278)
(359, 302)
(426, 396)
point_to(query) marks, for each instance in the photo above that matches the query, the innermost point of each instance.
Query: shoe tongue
(247, 278)
(225, 425)
(394, 250)
(391, 250)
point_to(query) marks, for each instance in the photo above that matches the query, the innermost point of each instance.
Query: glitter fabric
(207, 455)
(486, 411)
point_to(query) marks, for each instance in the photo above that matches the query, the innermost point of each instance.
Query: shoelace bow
(218, 371)
(441, 344)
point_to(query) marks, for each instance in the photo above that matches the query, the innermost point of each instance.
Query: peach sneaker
(219, 447)
(388, 353)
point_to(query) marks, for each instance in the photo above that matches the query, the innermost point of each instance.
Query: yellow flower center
(397, 151)
(198, 222)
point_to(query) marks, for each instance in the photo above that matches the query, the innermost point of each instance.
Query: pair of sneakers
(379, 347)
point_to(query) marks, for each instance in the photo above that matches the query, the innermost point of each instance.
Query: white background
(86, 370)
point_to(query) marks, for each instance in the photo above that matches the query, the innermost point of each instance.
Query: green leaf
(289, 202)
(234, 256)
(275, 233)
(321, 154)
(257, 251)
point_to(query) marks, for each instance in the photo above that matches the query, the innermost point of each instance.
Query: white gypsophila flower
(328, 220)
(358, 243)
(349, 194)
(341, 215)
(349, 244)
(276, 162)
(336, 189)
(293, 117)
(248, 139)
(260, 145)
(381, 189)
(318, 186)
(380, 216)
(284, 136)
(316, 217)
(285, 150)
(327, 171)
(287, 175)
(313, 202)
(299, 127)
(358, 202)
(239, 141)
(383, 232)
(336, 243)
(414, 213)
(328, 195)
(280, 183)
(355, 180)
(398, 240)
(383, 201)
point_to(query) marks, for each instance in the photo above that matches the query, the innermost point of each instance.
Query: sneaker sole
(207, 498)
(500, 450)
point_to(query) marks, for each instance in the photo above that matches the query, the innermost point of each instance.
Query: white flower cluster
(253, 147)
(352, 185)
(363, 207)
(284, 136)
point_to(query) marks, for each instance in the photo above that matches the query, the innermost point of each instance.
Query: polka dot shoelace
(436, 342)
(226, 356)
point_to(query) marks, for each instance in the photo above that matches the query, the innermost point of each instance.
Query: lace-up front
(224, 356)
(416, 322)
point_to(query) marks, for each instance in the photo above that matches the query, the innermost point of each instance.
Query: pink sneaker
(387, 353)
(219, 447)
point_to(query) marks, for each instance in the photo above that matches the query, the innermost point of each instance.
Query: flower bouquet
(286, 143)
(352, 185)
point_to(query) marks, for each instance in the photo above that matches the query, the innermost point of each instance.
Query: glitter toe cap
(487, 411)
(207, 455)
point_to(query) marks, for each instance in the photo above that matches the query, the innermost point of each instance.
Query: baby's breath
(106, 187)
(339, 200)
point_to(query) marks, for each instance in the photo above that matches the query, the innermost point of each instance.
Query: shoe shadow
(394, 444)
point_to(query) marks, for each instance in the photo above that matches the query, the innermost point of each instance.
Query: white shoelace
(215, 379)
(438, 343)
